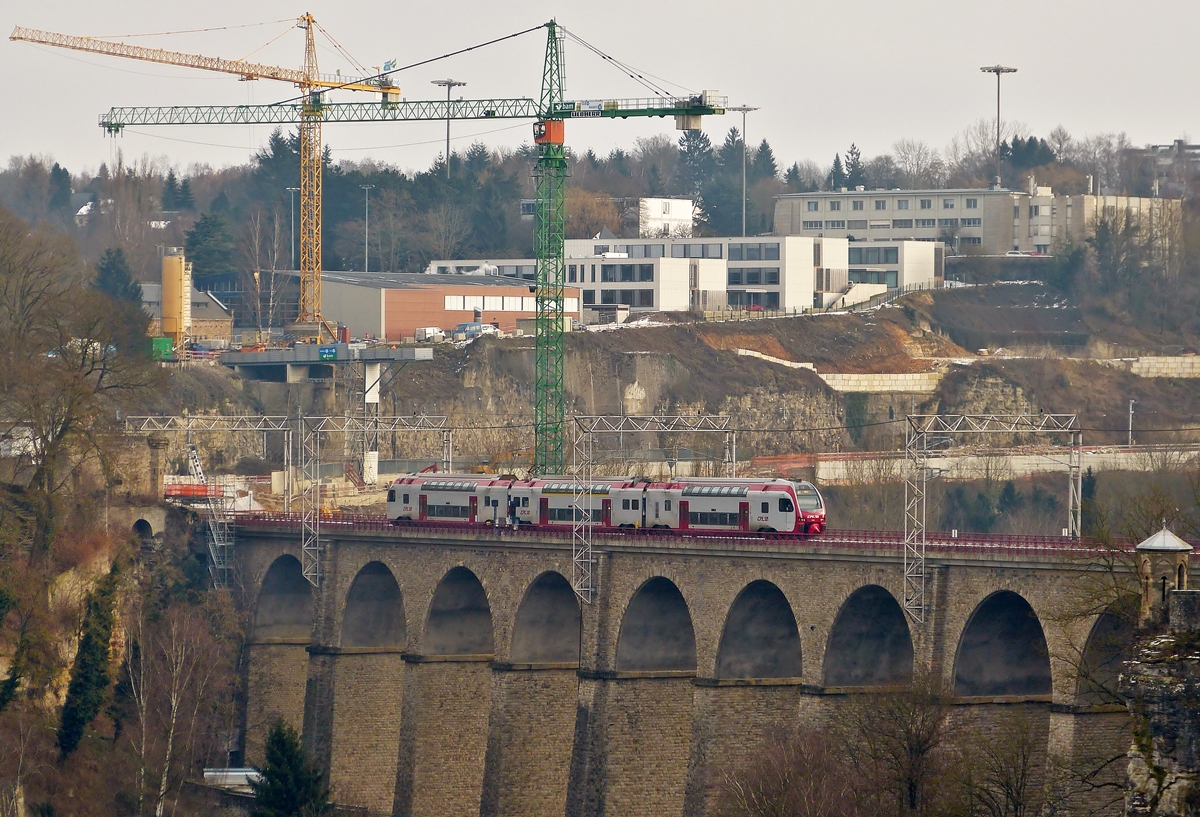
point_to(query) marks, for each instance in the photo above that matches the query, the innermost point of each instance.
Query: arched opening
(548, 623)
(1108, 646)
(460, 620)
(1180, 578)
(285, 602)
(143, 529)
(869, 644)
(374, 614)
(656, 632)
(1002, 650)
(760, 639)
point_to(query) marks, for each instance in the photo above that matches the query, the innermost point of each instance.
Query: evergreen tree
(729, 155)
(209, 245)
(696, 160)
(170, 193)
(114, 279)
(291, 784)
(856, 174)
(89, 674)
(763, 166)
(837, 174)
(184, 200)
(60, 187)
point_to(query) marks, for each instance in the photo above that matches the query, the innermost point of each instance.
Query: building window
(1016, 211)
(770, 252)
(712, 251)
(645, 297)
(816, 253)
(902, 204)
(608, 273)
(1041, 248)
(970, 239)
(836, 224)
(666, 209)
(627, 272)
(880, 204)
(593, 273)
(528, 208)
(835, 205)
(972, 222)
(771, 276)
(589, 297)
(926, 222)
(902, 223)
(735, 252)
(809, 225)
(754, 277)
(814, 206)
(972, 204)
(753, 252)
(947, 204)
(1034, 210)
(947, 222)
(599, 249)
(856, 224)
(926, 204)
(771, 300)
(571, 274)
(645, 272)
(626, 297)
(679, 250)
(856, 205)
(608, 296)
(891, 255)
(734, 278)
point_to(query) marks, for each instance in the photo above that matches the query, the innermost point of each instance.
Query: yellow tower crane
(312, 85)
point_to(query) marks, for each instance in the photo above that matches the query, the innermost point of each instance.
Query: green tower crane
(550, 172)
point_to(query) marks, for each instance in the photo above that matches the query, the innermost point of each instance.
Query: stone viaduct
(454, 673)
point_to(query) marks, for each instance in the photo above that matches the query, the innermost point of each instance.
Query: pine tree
(60, 187)
(114, 279)
(696, 160)
(209, 245)
(729, 154)
(170, 194)
(763, 166)
(837, 174)
(89, 674)
(185, 201)
(291, 784)
(855, 172)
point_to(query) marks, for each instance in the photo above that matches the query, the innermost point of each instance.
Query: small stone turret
(1162, 567)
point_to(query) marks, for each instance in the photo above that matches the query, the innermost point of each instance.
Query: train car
(699, 504)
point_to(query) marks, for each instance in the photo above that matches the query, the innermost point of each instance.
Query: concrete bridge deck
(452, 670)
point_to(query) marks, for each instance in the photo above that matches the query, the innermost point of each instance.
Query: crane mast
(310, 190)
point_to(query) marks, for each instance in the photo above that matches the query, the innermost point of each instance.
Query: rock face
(1162, 686)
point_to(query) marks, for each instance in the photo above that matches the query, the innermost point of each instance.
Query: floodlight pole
(998, 70)
(449, 85)
(743, 110)
(367, 188)
(293, 191)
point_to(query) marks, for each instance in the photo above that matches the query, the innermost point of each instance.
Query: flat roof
(419, 280)
(903, 192)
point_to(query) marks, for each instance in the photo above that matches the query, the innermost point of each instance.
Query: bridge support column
(530, 733)
(275, 688)
(633, 737)
(443, 735)
(365, 730)
(731, 723)
(1087, 748)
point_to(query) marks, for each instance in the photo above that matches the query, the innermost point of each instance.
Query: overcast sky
(825, 74)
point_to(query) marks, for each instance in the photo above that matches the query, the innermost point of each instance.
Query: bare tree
(446, 229)
(919, 165)
(797, 775)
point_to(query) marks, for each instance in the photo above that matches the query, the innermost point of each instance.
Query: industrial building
(987, 221)
(393, 305)
(183, 313)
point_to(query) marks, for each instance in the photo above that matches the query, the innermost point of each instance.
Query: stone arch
(548, 623)
(460, 619)
(1002, 650)
(870, 643)
(374, 612)
(285, 602)
(143, 529)
(760, 639)
(656, 630)
(1109, 645)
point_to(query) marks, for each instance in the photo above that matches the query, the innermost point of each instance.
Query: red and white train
(731, 505)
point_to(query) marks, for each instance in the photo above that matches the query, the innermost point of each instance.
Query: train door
(422, 507)
(544, 511)
(606, 512)
(744, 516)
(473, 508)
(684, 517)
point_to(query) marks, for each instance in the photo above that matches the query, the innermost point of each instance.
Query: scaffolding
(219, 536)
(583, 475)
(921, 427)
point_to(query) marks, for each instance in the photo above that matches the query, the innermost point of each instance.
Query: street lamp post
(293, 191)
(743, 110)
(1131, 402)
(367, 188)
(449, 85)
(998, 70)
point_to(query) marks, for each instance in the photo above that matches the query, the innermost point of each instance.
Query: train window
(624, 504)
(634, 504)
(524, 502)
(766, 507)
(406, 499)
(785, 504)
(666, 504)
(392, 496)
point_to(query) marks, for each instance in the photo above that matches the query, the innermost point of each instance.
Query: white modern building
(989, 221)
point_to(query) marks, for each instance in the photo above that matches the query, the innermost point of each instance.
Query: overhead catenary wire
(637, 76)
